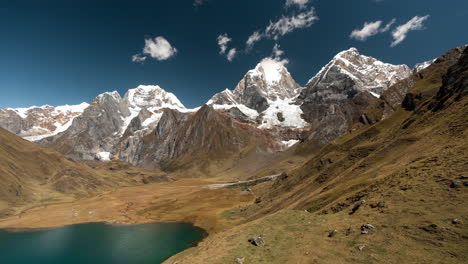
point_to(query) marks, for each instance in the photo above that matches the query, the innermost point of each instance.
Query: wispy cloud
(370, 29)
(277, 52)
(255, 37)
(400, 33)
(138, 58)
(158, 48)
(286, 24)
(300, 3)
(231, 54)
(388, 26)
(223, 40)
(197, 3)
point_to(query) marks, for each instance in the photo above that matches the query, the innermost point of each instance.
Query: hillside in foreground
(404, 175)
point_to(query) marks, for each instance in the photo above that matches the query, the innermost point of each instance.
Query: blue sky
(61, 52)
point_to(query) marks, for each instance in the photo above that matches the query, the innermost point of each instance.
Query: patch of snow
(249, 112)
(290, 111)
(423, 65)
(375, 94)
(289, 143)
(72, 108)
(126, 120)
(103, 156)
(152, 120)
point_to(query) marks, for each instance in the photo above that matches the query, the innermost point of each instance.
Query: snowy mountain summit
(265, 94)
(366, 73)
(36, 122)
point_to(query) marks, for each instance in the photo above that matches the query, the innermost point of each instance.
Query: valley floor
(185, 200)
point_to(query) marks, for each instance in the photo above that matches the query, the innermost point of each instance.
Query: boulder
(332, 233)
(455, 184)
(357, 206)
(257, 241)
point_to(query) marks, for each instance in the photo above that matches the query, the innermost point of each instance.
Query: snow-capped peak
(114, 95)
(369, 73)
(152, 96)
(271, 69)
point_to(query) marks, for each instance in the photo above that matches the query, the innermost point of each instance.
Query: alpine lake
(98, 243)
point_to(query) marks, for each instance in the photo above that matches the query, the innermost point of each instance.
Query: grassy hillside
(409, 172)
(31, 174)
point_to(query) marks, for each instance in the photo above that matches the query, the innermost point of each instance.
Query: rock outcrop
(393, 97)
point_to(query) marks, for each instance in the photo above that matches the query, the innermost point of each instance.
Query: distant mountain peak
(151, 96)
(367, 72)
(37, 122)
(271, 70)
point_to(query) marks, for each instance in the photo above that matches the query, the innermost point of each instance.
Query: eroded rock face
(338, 95)
(397, 93)
(93, 131)
(113, 126)
(183, 140)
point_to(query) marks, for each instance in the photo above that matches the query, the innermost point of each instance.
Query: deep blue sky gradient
(67, 52)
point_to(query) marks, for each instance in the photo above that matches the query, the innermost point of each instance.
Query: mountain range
(267, 100)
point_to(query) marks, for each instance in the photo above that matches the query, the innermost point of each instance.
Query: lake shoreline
(101, 242)
(185, 201)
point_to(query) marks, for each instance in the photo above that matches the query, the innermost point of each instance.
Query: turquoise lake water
(98, 243)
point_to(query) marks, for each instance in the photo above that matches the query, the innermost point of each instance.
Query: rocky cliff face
(336, 97)
(34, 123)
(196, 140)
(430, 76)
(96, 133)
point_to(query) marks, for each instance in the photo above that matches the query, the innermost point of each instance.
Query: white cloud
(287, 24)
(255, 37)
(388, 26)
(277, 52)
(370, 29)
(158, 48)
(138, 58)
(400, 33)
(283, 26)
(231, 54)
(300, 3)
(223, 40)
